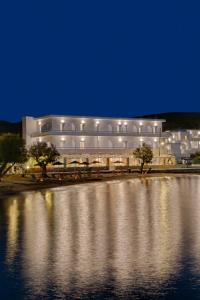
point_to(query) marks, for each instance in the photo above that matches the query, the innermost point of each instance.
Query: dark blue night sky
(115, 58)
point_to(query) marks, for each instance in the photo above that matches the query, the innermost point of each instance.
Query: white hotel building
(109, 141)
(184, 142)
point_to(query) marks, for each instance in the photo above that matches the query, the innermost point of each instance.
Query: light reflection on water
(134, 239)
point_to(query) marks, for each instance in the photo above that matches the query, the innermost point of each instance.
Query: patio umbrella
(85, 163)
(95, 162)
(118, 162)
(74, 162)
(57, 163)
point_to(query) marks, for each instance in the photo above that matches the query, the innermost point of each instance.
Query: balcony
(97, 150)
(99, 133)
(194, 138)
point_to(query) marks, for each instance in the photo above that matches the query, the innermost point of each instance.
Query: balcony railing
(104, 148)
(100, 133)
(194, 138)
(101, 150)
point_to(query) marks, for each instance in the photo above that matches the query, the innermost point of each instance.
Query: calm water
(134, 239)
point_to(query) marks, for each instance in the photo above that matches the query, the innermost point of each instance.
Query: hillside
(177, 120)
(6, 127)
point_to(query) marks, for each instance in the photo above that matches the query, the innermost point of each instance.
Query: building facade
(107, 141)
(182, 143)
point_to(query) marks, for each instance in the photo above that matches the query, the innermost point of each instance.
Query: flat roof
(98, 117)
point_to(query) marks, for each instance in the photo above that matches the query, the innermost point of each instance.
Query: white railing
(100, 133)
(103, 150)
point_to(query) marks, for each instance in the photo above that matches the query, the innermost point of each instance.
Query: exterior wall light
(155, 124)
(119, 123)
(155, 140)
(62, 139)
(97, 122)
(62, 121)
(141, 140)
(82, 122)
(125, 123)
(82, 140)
(39, 122)
(120, 140)
(141, 123)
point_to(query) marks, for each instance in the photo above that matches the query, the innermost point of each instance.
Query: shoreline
(8, 188)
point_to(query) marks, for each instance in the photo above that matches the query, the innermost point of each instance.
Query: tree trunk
(4, 170)
(44, 171)
(141, 167)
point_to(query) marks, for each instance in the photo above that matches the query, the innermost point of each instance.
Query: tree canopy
(195, 157)
(43, 154)
(144, 153)
(12, 151)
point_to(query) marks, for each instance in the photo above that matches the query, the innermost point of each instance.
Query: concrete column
(62, 126)
(127, 161)
(108, 162)
(65, 162)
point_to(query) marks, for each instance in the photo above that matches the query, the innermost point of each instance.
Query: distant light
(82, 122)
(39, 123)
(62, 121)
(169, 139)
(27, 167)
(162, 143)
(125, 123)
(120, 140)
(141, 123)
(198, 132)
(40, 139)
(119, 123)
(97, 122)
(155, 140)
(155, 124)
(62, 139)
(141, 140)
(82, 140)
